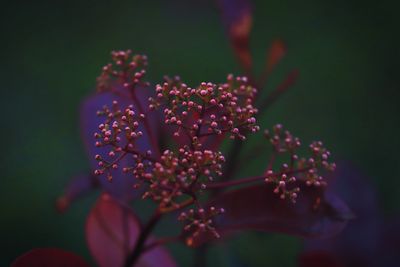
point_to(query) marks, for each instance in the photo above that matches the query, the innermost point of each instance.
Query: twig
(282, 88)
(138, 248)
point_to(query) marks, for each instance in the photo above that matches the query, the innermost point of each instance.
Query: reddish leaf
(237, 19)
(49, 257)
(111, 233)
(276, 52)
(78, 186)
(315, 214)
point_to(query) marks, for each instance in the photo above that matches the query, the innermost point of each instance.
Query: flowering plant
(163, 143)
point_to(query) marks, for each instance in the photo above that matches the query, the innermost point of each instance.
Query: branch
(138, 249)
(147, 127)
(251, 179)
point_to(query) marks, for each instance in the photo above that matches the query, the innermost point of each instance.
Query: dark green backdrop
(51, 52)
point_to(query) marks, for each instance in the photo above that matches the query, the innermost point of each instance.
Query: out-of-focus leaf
(275, 53)
(49, 257)
(388, 254)
(77, 187)
(314, 215)
(363, 242)
(237, 19)
(111, 232)
(361, 234)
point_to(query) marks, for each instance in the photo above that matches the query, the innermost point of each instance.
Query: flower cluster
(209, 108)
(173, 177)
(199, 221)
(305, 169)
(178, 173)
(119, 132)
(125, 69)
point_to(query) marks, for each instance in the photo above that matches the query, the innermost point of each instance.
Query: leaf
(388, 253)
(237, 19)
(315, 214)
(49, 257)
(275, 53)
(77, 187)
(359, 244)
(111, 233)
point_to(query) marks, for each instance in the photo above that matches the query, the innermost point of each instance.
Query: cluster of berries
(173, 178)
(199, 221)
(120, 132)
(304, 169)
(125, 70)
(209, 108)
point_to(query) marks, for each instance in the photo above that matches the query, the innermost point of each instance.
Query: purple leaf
(77, 187)
(314, 215)
(121, 185)
(111, 233)
(49, 257)
(361, 243)
(388, 253)
(237, 19)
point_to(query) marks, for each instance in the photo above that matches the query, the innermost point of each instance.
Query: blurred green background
(347, 95)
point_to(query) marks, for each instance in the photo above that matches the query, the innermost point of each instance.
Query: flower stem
(251, 179)
(275, 94)
(138, 249)
(147, 127)
(233, 157)
(200, 257)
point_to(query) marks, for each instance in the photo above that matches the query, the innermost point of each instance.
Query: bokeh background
(348, 95)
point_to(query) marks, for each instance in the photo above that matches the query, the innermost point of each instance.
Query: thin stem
(198, 131)
(231, 162)
(147, 127)
(180, 206)
(200, 256)
(275, 94)
(161, 241)
(109, 164)
(251, 179)
(203, 108)
(135, 152)
(138, 248)
(272, 160)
